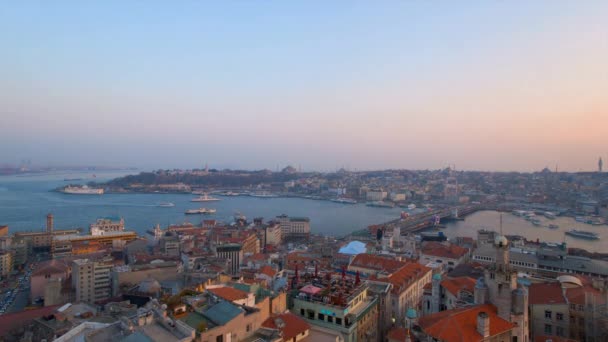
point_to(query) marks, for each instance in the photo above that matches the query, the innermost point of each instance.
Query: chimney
(483, 324)
(49, 223)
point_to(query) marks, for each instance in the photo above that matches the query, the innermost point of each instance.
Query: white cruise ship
(81, 190)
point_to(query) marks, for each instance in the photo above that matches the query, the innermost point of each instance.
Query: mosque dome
(411, 313)
(149, 286)
(501, 241)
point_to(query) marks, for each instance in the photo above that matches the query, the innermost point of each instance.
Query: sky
(480, 85)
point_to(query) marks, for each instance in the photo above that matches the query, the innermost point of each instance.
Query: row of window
(321, 317)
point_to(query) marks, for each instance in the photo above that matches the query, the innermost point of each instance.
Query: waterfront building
(294, 228)
(107, 225)
(376, 195)
(91, 279)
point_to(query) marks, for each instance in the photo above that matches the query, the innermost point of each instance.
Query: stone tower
(501, 281)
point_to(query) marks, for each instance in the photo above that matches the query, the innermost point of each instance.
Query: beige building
(6, 264)
(273, 234)
(294, 228)
(91, 279)
(376, 195)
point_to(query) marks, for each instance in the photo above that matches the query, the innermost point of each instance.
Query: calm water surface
(25, 201)
(514, 225)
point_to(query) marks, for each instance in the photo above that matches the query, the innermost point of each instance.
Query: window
(311, 314)
(330, 319)
(302, 312)
(548, 329)
(559, 316)
(559, 331)
(321, 317)
(338, 321)
(548, 314)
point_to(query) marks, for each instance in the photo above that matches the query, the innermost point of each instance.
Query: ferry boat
(81, 190)
(549, 215)
(553, 226)
(204, 211)
(204, 198)
(165, 204)
(381, 204)
(344, 200)
(583, 234)
(536, 221)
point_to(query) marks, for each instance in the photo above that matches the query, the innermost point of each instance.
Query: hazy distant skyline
(483, 85)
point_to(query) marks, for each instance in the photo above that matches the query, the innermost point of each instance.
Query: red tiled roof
(406, 276)
(576, 295)
(377, 263)
(454, 285)
(441, 250)
(545, 293)
(267, 270)
(258, 257)
(53, 266)
(399, 334)
(11, 321)
(294, 325)
(229, 293)
(460, 325)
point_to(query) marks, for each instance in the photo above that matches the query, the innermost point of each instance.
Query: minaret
(600, 163)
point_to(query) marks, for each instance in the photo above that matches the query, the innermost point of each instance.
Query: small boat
(583, 234)
(549, 215)
(344, 200)
(553, 226)
(199, 211)
(536, 222)
(580, 219)
(204, 198)
(165, 205)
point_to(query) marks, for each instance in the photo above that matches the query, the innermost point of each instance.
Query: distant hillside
(217, 179)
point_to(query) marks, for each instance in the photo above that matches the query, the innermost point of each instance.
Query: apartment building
(91, 279)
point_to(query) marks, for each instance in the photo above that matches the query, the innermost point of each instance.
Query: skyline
(484, 86)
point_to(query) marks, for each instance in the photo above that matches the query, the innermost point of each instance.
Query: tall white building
(91, 279)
